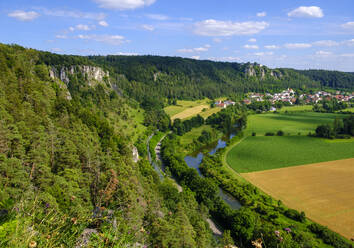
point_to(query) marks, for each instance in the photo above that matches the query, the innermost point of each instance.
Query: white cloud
(271, 47)
(349, 42)
(72, 14)
(325, 43)
(82, 27)
(264, 54)
(348, 25)
(23, 15)
(229, 59)
(123, 4)
(348, 55)
(185, 50)
(110, 39)
(103, 23)
(204, 48)
(262, 14)
(195, 57)
(127, 54)
(148, 27)
(252, 40)
(251, 46)
(61, 36)
(307, 11)
(217, 40)
(323, 53)
(157, 17)
(297, 45)
(228, 28)
(56, 50)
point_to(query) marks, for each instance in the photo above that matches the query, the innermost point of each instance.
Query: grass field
(291, 123)
(323, 191)
(264, 153)
(297, 108)
(188, 138)
(349, 109)
(186, 109)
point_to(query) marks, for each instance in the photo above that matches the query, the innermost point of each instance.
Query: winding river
(196, 158)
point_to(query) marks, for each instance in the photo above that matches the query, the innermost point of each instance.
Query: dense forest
(182, 78)
(331, 79)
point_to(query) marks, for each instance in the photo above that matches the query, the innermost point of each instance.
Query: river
(196, 158)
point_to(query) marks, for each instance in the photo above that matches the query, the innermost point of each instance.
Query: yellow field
(187, 109)
(189, 112)
(324, 191)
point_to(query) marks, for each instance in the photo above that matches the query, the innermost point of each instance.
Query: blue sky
(289, 33)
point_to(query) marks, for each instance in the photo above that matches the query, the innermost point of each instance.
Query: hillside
(331, 79)
(183, 78)
(67, 173)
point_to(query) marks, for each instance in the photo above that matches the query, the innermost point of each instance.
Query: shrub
(280, 133)
(253, 134)
(269, 134)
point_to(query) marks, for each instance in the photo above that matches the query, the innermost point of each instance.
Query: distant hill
(331, 79)
(176, 77)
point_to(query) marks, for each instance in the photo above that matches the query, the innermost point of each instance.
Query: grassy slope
(264, 153)
(291, 123)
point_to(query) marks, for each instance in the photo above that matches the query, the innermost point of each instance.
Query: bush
(253, 134)
(295, 215)
(269, 134)
(280, 133)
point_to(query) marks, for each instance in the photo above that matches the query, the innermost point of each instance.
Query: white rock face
(92, 73)
(135, 154)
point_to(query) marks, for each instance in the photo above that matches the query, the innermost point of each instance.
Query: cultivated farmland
(291, 123)
(188, 109)
(323, 191)
(265, 153)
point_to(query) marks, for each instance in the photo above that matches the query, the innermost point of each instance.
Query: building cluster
(224, 104)
(290, 97)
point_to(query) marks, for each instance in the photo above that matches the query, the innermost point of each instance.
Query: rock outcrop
(92, 74)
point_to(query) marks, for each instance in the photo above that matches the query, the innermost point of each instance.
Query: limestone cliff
(93, 74)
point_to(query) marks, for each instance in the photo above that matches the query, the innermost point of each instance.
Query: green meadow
(296, 108)
(264, 153)
(257, 153)
(291, 123)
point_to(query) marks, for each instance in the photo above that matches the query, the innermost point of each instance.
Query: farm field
(290, 123)
(324, 191)
(265, 153)
(187, 109)
(296, 108)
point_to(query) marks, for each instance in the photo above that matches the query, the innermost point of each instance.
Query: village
(290, 97)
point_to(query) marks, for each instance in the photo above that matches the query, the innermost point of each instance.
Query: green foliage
(332, 79)
(66, 163)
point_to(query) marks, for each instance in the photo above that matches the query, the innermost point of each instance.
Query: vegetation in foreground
(67, 175)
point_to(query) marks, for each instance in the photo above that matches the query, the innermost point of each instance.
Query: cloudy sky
(289, 33)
